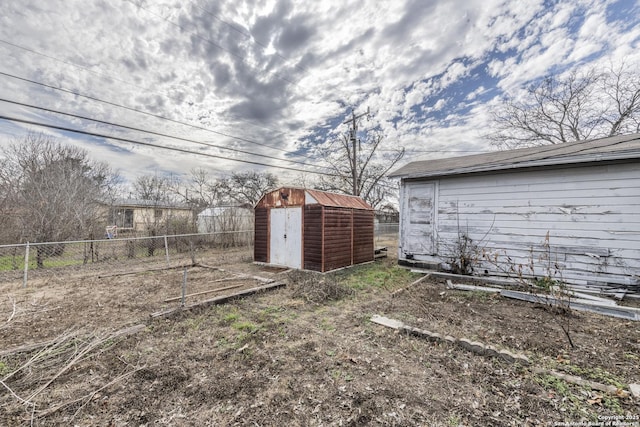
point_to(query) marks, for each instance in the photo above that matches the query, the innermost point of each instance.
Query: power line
(148, 131)
(110, 76)
(149, 144)
(437, 151)
(144, 112)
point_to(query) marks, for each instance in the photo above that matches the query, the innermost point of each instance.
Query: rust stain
(289, 196)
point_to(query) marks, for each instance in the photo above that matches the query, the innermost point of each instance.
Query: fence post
(184, 287)
(26, 265)
(166, 249)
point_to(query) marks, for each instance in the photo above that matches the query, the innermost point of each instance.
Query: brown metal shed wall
(363, 236)
(312, 238)
(261, 235)
(337, 238)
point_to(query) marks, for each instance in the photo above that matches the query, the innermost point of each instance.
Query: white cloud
(275, 72)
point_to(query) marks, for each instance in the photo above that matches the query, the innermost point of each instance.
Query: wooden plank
(584, 176)
(628, 313)
(463, 287)
(204, 292)
(217, 300)
(385, 321)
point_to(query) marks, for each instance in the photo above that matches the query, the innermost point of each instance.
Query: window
(123, 218)
(158, 214)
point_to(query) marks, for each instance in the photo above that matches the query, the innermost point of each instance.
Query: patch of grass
(4, 369)
(244, 326)
(612, 403)
(378, 275)
(326, 326)
(595, 374)
(230, 318)
(337, 374)
(550, 382)
(453, 421)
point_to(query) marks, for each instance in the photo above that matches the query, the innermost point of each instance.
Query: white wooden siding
(592, 216)
(418, 218)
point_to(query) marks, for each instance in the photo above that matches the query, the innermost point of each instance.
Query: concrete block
(464, 343)
(449, 339)
(507, 356)
(477, 347)
(491, 351)
(635, 390)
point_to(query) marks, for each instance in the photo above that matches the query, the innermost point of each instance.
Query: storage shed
(312, 229)
(574, 207)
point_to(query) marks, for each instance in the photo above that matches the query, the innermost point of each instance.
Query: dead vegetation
(317, 288)
(302, 355)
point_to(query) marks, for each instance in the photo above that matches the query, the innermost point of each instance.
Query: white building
(573, 207)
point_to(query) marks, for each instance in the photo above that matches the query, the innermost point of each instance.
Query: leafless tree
(202, 190)
(578, 107)
(51, 191)
(368, 166)
(246, 188)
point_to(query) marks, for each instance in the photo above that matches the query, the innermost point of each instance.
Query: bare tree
(153, 188)
(368, 168)
(248, 187)
(577, 107)
(158, 195)
(202, 190)
(52, 192)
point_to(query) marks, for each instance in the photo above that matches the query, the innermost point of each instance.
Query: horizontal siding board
(531, 209)
(587, 176)
(551, 194)
(592, 216)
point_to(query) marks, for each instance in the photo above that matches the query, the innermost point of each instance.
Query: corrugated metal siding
(313, 237)
(363, 236)
(337, 238)
(261, 235)
(328, 234)
(590, 213)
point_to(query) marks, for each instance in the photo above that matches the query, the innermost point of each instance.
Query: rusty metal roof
(292, 196)
(339, 200)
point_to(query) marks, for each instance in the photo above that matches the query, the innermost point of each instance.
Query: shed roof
(140, 203)
(621, 147)
(293, 196)
(338, 200)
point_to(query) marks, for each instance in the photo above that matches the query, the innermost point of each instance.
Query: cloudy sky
(237, 84)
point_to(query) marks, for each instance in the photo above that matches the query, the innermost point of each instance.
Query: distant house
(135, 216)
(584, 196)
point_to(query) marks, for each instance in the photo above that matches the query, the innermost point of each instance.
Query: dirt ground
(289, 357)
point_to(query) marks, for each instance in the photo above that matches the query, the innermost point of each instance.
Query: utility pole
(354, 140)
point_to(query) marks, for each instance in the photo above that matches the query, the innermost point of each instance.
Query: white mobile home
(573, 207)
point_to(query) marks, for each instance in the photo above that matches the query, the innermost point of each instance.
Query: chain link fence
(33, 260)
(29, 260)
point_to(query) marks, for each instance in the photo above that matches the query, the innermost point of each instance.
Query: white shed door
(286, 237)
(418, 218)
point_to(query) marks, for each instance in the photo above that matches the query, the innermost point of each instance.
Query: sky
(233, 85)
